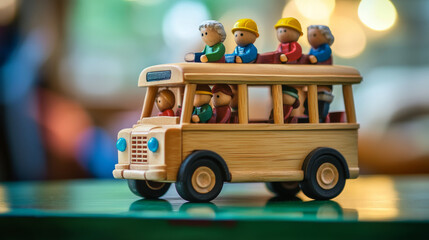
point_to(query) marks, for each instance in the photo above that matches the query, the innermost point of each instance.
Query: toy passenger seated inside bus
(324, 100)
(222, 95)
(165, 101)
(202, 110)
(290, 102)
(213, 34)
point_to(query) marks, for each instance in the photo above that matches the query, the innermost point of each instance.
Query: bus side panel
(173, 155)
(270, 155)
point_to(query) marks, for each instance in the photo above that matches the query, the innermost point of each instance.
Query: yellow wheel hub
(327, 176)
(203, 180)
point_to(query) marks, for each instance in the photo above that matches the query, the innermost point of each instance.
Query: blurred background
(69, 70)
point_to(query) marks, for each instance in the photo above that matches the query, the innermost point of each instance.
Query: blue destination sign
(158, 76)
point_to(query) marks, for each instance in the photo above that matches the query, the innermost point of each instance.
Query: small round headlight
(153, 144)
(121, 144)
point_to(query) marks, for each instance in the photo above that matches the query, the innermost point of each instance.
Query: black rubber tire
(311, 188)
(148, 189)
(283, 189)
(184, 181)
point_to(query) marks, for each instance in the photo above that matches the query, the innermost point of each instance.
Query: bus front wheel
(148, 189)
(199, 181)
(325, 178)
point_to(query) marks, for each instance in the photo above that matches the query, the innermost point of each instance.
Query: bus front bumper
(157, 174)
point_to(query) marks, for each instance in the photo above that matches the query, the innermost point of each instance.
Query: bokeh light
(97, 75)
(350, 39)
(147, 2)
(180, 25)
(315, 9)
(4, 205)
(378, 15)
(7, 11)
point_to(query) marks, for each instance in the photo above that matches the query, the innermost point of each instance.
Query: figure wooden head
(222, 95)
(165, 100)
(203, 94)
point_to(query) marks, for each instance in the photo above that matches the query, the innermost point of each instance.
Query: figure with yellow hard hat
(245, 33)
(289, 51)
(288, 32)
(213, 34)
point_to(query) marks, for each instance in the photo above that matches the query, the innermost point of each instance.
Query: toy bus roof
(254, 74)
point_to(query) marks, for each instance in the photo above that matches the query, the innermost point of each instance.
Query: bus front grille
(139, 150)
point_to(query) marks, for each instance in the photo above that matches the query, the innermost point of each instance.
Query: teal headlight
(121, 144)
(153, 144)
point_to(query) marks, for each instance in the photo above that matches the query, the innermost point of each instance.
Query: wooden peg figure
(320, 39)
(222, 95)
(165, 101)
(290, 101)
(288, 31)
(213, 34)
(202, 109)
(245, 34)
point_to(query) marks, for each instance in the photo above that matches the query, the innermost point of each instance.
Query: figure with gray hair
(320, 39)
(213, 34)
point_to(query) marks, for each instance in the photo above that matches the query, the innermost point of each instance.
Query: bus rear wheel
(200, 181)
(148, 189)
(325, 178)
(283, 189)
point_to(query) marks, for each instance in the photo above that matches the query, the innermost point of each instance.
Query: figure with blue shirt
(245, 33)
(320, 39)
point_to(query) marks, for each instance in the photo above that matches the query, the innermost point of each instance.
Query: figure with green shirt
(213, 35)
(202, 109)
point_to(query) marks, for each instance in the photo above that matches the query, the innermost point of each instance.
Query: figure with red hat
(222, 95)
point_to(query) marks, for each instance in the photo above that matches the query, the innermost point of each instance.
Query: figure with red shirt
(290, 101)
(289, 51)
(222, 95)
(165, 101)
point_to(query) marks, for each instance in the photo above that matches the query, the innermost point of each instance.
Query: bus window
(260, 104)
(337, 109)
(213, 104)
(164, 101)
(330, 106)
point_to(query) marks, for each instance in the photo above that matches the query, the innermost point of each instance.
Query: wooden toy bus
(314, 157)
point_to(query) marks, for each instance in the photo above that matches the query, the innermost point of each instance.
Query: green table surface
(378, 206)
